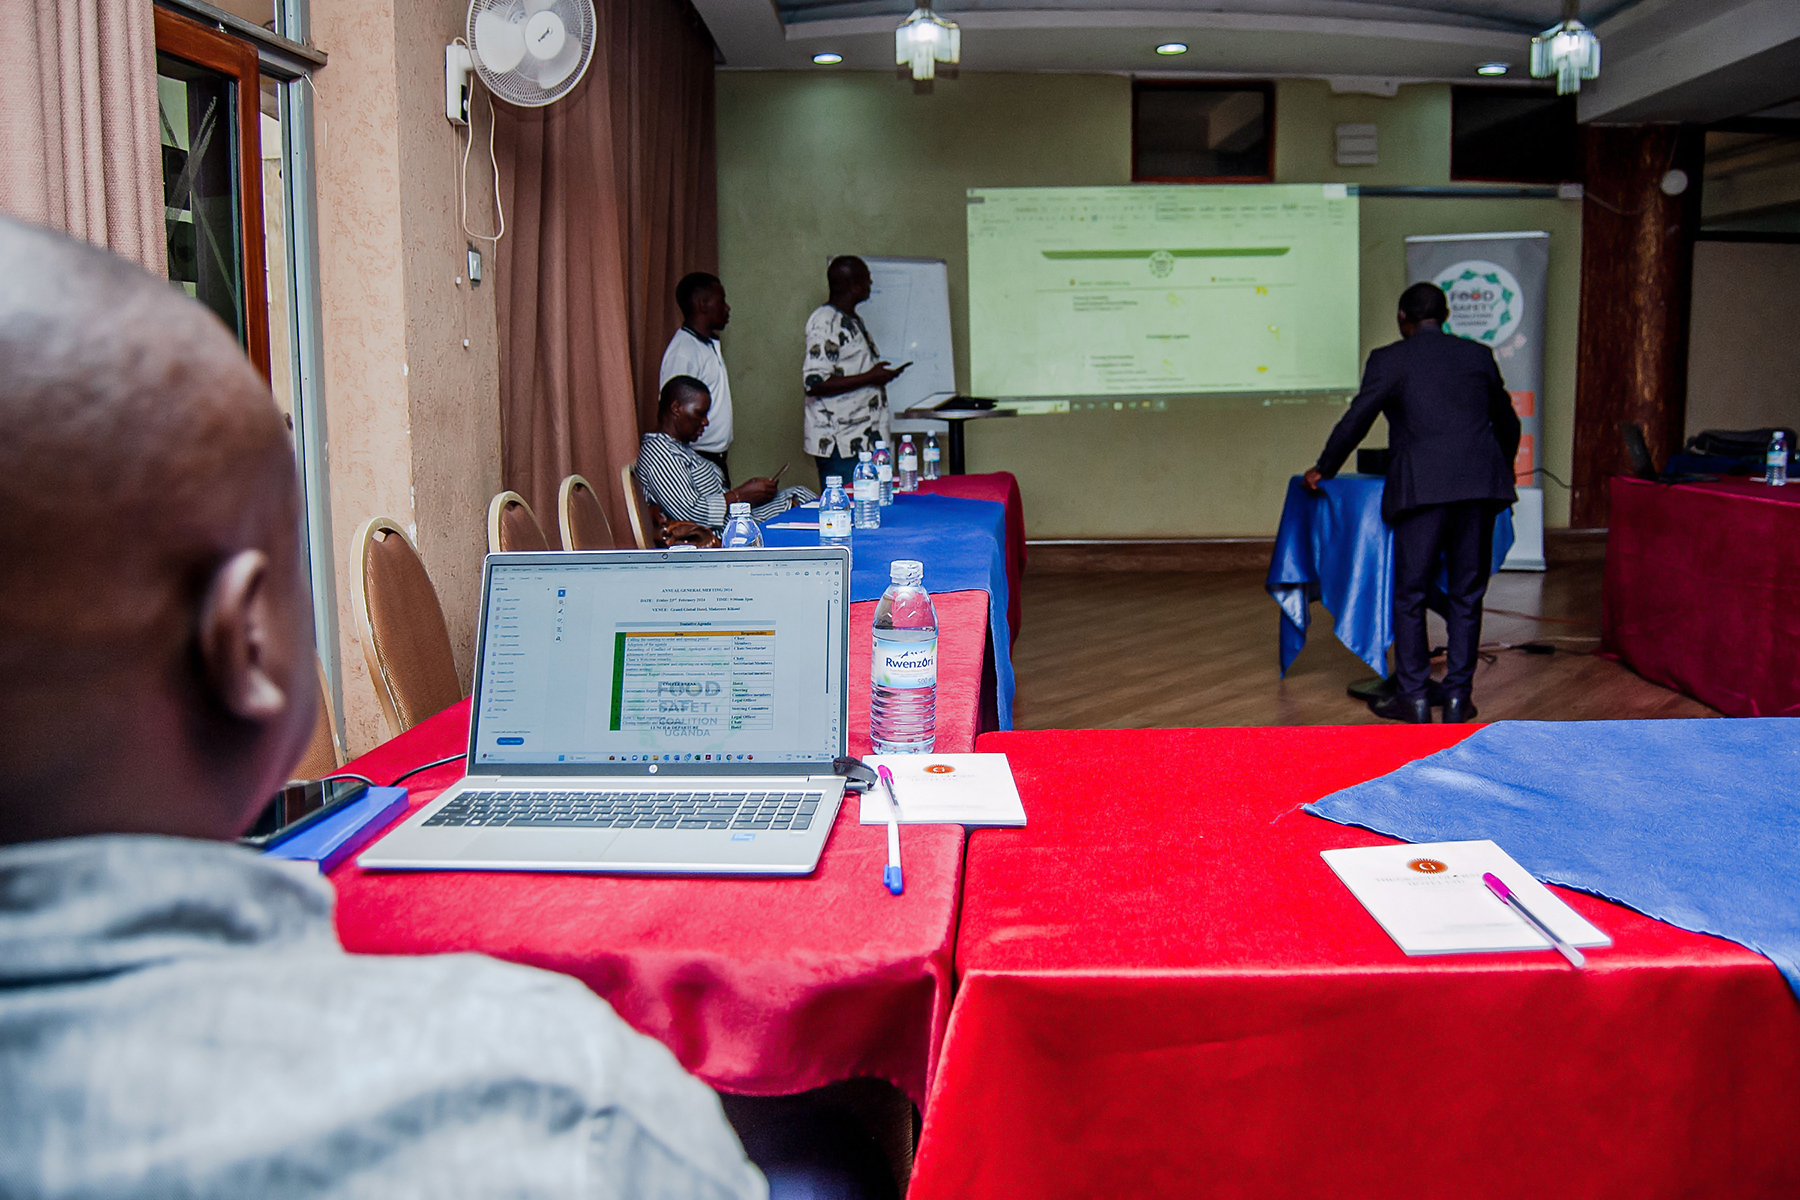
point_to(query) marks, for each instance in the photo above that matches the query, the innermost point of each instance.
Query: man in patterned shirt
(845, 378)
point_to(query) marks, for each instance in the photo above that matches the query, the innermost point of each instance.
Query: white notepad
(1431, 900)
(946, 789)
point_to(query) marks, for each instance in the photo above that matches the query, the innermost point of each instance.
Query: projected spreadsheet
(1152, 290)
(693, 683)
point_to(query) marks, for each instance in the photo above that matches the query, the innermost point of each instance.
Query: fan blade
(499, 43)
(553, 72)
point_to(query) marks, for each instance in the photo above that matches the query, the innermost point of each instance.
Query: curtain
(79, 145)
(610, 197)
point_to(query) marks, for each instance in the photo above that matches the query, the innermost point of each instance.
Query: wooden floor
(1110, 650)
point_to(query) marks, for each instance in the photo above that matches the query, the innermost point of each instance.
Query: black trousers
(1461, 535)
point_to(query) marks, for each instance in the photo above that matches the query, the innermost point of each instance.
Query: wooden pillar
(1637, 263)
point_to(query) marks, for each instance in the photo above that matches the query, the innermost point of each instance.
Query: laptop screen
(706, 660)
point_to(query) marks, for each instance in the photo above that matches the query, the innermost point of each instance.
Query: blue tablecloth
(1335, 547)
(962, 544)
(1696, 823)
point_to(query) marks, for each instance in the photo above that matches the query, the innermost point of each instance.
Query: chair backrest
(404, 638)
(324, 754)
(580, 518)
(643, 528)
(513, 526)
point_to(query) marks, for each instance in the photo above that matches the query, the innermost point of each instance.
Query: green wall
(819, 163)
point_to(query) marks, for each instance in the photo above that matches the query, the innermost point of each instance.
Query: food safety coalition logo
(1486, 304)
(1162, 264)
(1428, 866)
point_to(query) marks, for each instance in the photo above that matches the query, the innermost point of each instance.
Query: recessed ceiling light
(828, 59)
(1172, 48)
(1493, 68)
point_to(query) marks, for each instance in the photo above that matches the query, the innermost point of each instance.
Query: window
(1751, 189)
(236, 113)
(1513, 135)
(1202, 132)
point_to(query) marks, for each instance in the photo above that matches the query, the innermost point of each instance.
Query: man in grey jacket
(176, 1015)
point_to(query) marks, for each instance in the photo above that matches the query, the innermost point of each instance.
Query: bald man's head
(152, 615)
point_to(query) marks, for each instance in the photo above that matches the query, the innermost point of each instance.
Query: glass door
(209, 102)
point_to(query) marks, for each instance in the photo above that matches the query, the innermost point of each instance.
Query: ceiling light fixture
(828, 59)
(1568, 50)
(1493, 68)
(923, 41)
(1172, 48)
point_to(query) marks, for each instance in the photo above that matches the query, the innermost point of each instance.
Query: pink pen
(1513, 902)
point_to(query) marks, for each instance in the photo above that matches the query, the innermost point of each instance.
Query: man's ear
(238, 639)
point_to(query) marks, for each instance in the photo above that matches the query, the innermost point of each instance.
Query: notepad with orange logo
(947, 789)
(1430, 898)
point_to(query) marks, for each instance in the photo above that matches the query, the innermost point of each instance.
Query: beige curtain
(79, 143)
(610, 198)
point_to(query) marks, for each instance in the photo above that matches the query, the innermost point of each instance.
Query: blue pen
(891, 874)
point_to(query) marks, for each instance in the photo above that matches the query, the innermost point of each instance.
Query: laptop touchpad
(564, 845)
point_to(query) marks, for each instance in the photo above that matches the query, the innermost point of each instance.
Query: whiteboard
(908, 315)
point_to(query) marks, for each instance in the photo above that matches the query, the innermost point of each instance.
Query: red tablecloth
(1002, 488)
(761, 987)
(1702, 591)
(1163, 991)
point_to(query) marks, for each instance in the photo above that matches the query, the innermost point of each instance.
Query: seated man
(176, 1014)
(686, 486)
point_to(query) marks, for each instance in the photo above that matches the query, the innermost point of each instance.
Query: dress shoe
(1458, 708)
(1416, 710)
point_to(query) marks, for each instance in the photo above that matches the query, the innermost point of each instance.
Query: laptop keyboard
(632, 810)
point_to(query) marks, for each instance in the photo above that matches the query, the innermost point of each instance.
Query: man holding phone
(843, 374)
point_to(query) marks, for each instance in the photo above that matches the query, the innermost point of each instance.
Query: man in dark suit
(1452, 435)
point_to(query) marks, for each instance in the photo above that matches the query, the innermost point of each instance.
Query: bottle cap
(832, 481)
(906, 570)
(906, 437)
(880, 443)
(864, 456)
(739, 508)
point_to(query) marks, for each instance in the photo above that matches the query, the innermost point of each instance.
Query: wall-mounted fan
(528, 52)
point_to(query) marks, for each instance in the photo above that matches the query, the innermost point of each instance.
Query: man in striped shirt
(686, 486)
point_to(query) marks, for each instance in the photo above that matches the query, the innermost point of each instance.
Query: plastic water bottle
(932, 457)
(903, 668)
(741, 530)
(1778, 459)
(908, 478)
(884, 472)
(867, 492)
(834, 513)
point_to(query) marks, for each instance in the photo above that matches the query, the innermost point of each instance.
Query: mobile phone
(301, 803)
(776, 477)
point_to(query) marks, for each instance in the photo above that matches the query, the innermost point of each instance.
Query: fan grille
(522, 85)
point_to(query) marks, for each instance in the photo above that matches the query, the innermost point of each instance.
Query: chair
(580, 518)
(401, 623)
(324, 754)
(513, 526)
(643, 528)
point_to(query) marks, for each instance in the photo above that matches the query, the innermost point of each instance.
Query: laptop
(656, 712)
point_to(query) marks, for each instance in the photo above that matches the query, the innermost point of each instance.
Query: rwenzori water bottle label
(903, 664)
(835, 523)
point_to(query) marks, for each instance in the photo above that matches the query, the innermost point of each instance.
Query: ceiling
(1370, 41)
(1663, 60)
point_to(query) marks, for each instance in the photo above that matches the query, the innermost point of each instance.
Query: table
(1002, 488)
(1162, 991)
(759, 986)
(1702, 591)
(1334, 546)
(955, 418)
(962, 544)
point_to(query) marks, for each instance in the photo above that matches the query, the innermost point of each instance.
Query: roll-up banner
(1497, 284)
